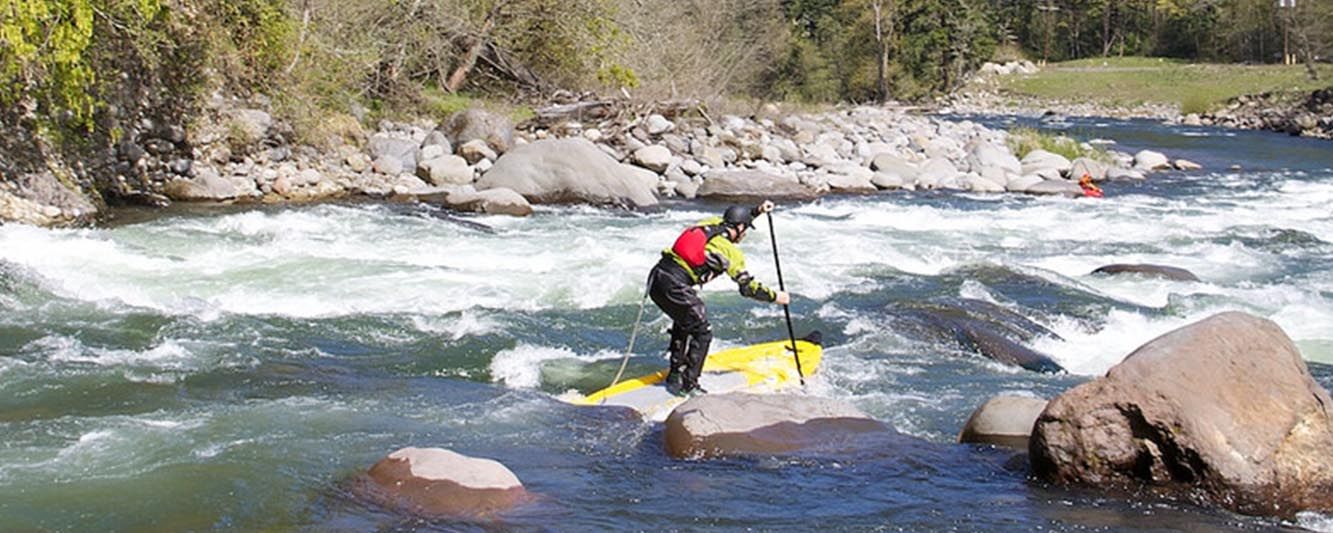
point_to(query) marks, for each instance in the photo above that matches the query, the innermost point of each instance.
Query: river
(236, 369)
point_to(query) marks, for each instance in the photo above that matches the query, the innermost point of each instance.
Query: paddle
(786, 310)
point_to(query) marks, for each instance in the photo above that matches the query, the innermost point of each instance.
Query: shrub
(1023, 141)
(1195, 103)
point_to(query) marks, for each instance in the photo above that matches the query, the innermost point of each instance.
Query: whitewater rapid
(340, 260)
(234, 366)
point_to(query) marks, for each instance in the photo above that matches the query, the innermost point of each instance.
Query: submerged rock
(1157, 271)
(977, 326)
(439, 482)
(1004, 420)
(1225, 408)
(767, 424)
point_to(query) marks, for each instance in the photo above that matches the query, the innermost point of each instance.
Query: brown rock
(740, 424)
(498, 201)
(1224, 408)
(570, 170)
(435, 481)
(753, 184)
(207, 185)
(496, 130)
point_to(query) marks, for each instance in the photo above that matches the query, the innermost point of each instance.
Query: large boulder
(982, 155)
(753, 184)
(850, 177)
(206, 186)
(1156, 271)
(767, 424)
(1017, 183)
(1223, 408)
(891, 164)
(653, 157)
(1117, 173)
(1004, 420)
(1089, 167)
(1150, 160)
(490, 201)
(40, 198)
(937, 173)
(1046, 164)
(384, 148)
(445, 170)
(249, 126)
(472, 124)
(1056, 187)
(570, 170)
(439, 482)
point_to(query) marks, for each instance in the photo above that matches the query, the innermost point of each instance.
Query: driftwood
(612, 114)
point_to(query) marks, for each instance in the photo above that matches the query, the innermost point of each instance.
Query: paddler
(1089, 188)
(700, 253)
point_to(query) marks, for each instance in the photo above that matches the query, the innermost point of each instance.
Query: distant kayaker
(1089, 188)
(699, 254)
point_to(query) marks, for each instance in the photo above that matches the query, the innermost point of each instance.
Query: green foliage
(617, 75)
(46, 56)
(1198, 30)
(930, 45)
(251, 40)
(441, 104)
(1023, 141)
(1195, 103)
(54, 52)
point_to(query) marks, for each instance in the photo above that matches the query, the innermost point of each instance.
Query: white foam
(1088, 352)
(168, 354)
(469, 323)
(521, 365)
(1315, 521)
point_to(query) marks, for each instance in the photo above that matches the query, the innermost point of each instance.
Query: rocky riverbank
(983, 95)
(477, 161)
(1300, 113)
(1303, 114)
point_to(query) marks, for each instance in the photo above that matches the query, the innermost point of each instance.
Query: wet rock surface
(1224, 409)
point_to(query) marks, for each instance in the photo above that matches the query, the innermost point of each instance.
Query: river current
(237, 368)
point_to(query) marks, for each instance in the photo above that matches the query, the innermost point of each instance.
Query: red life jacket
(691, 244)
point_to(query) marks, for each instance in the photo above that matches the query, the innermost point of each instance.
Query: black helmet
(738, 217)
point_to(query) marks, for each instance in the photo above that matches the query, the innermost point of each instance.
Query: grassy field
(1129, 81)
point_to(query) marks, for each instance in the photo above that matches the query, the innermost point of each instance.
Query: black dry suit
(700, 253)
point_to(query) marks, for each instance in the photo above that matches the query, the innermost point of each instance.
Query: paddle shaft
(786, 311)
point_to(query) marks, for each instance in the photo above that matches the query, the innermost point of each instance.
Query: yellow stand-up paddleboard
(758, 368)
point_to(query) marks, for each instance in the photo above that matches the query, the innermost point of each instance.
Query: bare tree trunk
(470, 58)
(1107, 38)
(300, 40)
(1306, 48)
(883, 84)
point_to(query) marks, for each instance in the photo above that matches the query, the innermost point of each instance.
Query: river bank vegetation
(69, 60)
(1132, 81)
(85, 84)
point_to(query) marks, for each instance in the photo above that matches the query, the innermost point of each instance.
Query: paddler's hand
(763, 208)
(783, 298)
